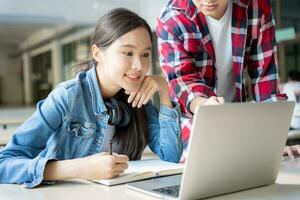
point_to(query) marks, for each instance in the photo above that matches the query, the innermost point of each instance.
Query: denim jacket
(71, 123)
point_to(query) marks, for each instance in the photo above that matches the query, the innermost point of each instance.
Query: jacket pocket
(81, 129)
(78, 138)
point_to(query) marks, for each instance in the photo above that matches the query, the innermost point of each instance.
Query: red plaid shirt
(187, 54)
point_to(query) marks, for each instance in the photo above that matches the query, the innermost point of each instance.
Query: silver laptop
(232, 147)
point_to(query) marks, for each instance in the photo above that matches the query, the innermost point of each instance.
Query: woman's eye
(146, 55)
(127, 53)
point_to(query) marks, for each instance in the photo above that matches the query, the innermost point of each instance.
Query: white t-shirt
(291, 89)
(220, 31)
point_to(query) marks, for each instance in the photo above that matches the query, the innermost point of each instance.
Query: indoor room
(150, 99)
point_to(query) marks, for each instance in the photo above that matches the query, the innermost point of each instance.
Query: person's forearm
(61, 170)
(165, 98)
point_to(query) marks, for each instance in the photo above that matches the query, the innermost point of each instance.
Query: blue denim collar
(97, 100)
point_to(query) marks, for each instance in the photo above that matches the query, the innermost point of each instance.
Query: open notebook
(144, 169)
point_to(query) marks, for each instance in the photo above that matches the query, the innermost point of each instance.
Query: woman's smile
(133, 77)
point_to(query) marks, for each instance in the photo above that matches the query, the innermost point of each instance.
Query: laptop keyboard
(171, 190)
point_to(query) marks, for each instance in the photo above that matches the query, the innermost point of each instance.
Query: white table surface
(11, 119)
(15, 115)
(5, 134)
(287, 187)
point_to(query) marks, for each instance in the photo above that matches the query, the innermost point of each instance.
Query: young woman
(69, 134)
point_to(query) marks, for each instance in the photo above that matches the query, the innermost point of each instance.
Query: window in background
(287, 15)
(74, 53)
(292, 57)
(41, 76)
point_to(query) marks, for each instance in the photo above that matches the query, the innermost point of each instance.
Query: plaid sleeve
(185, 79)
(263, 61)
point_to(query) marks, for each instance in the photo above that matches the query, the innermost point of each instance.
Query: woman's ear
(97, 53)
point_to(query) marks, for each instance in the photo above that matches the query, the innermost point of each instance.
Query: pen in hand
(110, 147)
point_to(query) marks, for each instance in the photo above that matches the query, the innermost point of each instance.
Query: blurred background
(41, 40)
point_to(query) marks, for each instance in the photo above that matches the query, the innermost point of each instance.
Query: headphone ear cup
(116, 116)
(112, 112)
(119, 113)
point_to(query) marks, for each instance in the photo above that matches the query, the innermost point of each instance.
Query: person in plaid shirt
(205, 47)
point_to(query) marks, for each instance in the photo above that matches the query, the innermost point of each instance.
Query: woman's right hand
(150, 85)
(103, 166)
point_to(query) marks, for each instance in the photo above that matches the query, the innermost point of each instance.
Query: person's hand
(292, 151)
(150, 85)
(201, 101)
(103, 166)
(213, 100)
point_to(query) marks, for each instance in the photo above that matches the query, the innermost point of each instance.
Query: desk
(5, 135)
(287, 188)
(10, 119)
(9, 116)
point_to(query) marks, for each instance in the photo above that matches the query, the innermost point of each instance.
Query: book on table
(144, 169)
